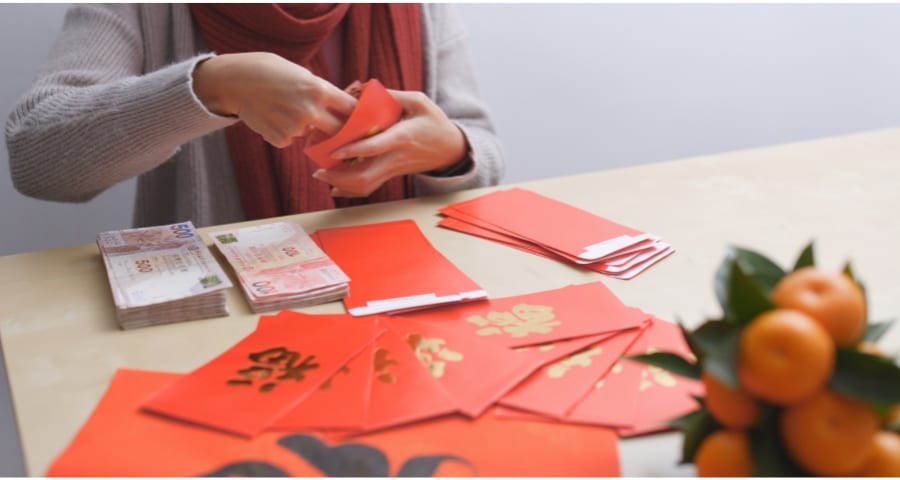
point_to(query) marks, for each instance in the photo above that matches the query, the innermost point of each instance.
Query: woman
(132, 90)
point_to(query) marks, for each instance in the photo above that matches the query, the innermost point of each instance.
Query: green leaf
(723, 278)
(758, 267)
(874, 331)
(690, 341)
(671, 362)
(746, 299)
(770, 458)
(866, 377)
(893, 427)
(718, 341)
(848, 271)
(695, 426)
(806, 259)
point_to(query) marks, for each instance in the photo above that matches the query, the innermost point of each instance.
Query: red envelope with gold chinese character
(637, 397)
(338, 404)
(401, 390)
(556, 387)
(393, 267)
(542, 317)
(548, 352)
(474, 372)
(663, 396)
(119, 440)
(263, 376)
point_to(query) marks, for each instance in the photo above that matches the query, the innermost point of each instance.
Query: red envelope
(636, 397)
(393, 267)
(661, 395)
(555, 388)
(549, 352)
(401, 391)
(375, 111)
(556, 225)
(456, 359)
(624, 264)
(542, 317)
(119, 440)
(339, 403)
(259, 379)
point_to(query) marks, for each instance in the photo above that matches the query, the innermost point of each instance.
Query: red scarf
(380, 41)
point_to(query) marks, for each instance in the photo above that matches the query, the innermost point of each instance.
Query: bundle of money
(162, 274)
(279, 266)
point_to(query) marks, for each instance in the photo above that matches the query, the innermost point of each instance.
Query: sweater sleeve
(454, 88)
(93, 117)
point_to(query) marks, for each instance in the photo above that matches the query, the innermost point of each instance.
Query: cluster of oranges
(785, 358)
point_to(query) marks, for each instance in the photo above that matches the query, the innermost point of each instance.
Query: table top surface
(62, 344)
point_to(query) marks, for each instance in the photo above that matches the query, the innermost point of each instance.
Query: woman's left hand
(423, 140)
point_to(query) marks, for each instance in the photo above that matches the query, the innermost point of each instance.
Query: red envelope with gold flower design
(542, 317)
(263, 376)
(119, 440)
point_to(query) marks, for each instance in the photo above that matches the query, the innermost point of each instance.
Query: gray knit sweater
(115, 101)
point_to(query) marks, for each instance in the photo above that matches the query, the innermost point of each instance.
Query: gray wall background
(573, 88)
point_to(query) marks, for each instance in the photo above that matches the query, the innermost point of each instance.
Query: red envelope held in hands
(375, 111)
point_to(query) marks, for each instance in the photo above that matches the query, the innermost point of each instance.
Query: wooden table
(62, 344)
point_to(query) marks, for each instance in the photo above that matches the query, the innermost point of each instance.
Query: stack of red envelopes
(544, 226)
(547, 358)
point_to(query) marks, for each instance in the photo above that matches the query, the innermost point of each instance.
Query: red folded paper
(393, 267)
(375, 111)
(119, 440)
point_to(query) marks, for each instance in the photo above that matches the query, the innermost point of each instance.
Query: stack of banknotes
(279, 266)
(163, 274)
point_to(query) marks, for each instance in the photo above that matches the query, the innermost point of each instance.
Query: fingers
(337, 100)
(412, 102)
(324, 121)
(361, 179)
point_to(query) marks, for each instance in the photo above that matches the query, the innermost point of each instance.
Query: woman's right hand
(274, 97)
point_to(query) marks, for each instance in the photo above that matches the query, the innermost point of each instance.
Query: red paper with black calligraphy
(542, 317)
(474, 372)
(119, 440)
(259, 379)
(393, 267)
(338, 404)
(556, 387)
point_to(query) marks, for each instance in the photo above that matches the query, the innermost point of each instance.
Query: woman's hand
(276, 98)
(423, 140)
